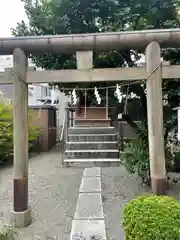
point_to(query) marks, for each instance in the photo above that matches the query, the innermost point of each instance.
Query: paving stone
(89, 206)
(90, 184)
(92, 172)
(88, 230)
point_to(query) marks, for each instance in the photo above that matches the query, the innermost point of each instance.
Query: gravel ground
(118, 187)
(53, 193)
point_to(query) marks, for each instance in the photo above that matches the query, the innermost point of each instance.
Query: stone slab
(87, 230)
(89, 206)
(92, 172)
(94, 145)
(92, 137)
(108, 153)
(90, 185)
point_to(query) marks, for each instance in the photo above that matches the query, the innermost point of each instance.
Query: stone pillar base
(21, 219)
(159, 185)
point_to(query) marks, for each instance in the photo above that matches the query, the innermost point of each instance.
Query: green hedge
(6, 132)
(151, 217)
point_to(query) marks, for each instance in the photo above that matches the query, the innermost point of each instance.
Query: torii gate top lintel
(95, 41)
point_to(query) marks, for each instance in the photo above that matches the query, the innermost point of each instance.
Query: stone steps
(91, 130)
(91, 145)
(92, 137)
(96, 153)
(88, 222)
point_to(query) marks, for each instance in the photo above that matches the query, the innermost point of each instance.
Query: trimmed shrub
(151, 217)
(6, 132)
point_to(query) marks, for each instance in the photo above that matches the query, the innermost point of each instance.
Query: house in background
(37, 92)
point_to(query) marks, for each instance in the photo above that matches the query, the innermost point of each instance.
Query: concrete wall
(125, 130)
(45, 119)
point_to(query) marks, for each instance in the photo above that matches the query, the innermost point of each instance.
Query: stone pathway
(53, 193)
(59, 213)
(88, 220)
(102, 195)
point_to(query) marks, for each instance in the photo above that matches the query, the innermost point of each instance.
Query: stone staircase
(92, 145)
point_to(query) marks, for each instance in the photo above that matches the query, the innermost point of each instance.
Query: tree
(87, 16)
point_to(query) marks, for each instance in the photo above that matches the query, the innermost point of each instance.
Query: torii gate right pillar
(155, 119)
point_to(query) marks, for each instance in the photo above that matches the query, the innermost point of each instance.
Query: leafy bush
(150, 217)
(135, 157)
(176, 167)
(7, 232)
(6, 132)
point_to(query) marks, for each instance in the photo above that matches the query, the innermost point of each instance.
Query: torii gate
(84, 45)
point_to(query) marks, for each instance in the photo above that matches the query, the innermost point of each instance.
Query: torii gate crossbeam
(97, 42)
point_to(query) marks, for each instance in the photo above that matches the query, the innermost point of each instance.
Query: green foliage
(33, 132)
(52, 17)
(7, 232)
(150, 217)
(135, 156)
(6, 132)
(6, 140)
(49, 17)
(177, 155)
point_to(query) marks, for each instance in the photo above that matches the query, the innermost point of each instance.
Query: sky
(11, 12)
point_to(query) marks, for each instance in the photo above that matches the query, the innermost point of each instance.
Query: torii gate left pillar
(21, 214)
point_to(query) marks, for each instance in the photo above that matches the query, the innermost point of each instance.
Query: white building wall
(63, 100)
(36, 91)
(7, 62)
